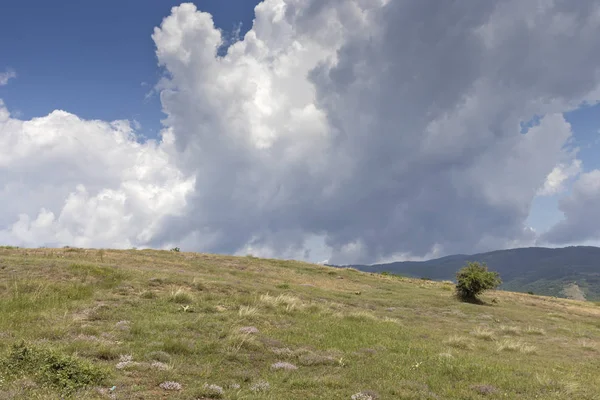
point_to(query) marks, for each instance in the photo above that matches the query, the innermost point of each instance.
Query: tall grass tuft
(181, 296)
(483, 333)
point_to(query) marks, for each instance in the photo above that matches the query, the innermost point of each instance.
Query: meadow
(147, 324)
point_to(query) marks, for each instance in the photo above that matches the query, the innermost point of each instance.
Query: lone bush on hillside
(473, 279)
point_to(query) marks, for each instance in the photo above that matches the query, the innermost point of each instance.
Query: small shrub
(66, 373)
(176, 249)
(123, 325)
(212, 391)
(473, 279)
(282, 351)
(284, 365)
(248, 329)
(125, 361)
(170, 385)
(365, 395)
(261, 386)
(161, 366)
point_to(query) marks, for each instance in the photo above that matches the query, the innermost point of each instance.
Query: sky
(348, 131)
(94, 59)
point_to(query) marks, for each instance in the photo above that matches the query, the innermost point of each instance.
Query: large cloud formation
(582, 213)
(382, 128)
(66, 181)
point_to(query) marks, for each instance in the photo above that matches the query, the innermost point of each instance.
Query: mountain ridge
(541, 270)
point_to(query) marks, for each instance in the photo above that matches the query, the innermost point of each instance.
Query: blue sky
(256, 187)
(585, 123)
(94, 59)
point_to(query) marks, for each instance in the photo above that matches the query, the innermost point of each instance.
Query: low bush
(473, 279)
(49, 367)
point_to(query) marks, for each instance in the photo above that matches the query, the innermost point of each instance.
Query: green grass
(93, 320)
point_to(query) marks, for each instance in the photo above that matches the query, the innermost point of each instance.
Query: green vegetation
(65, 373)
(473, 279)
(144, 324)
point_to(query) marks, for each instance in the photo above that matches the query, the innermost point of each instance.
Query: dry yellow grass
(588, 345)
(459, 342)
(530, 330)
(483, 333)
(247, 311)
(515, 345)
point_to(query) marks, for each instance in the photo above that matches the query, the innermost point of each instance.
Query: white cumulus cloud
(67, 181)
(581, 209)
(384, 127)
(556, 180)
(7, 76)
(365, 128)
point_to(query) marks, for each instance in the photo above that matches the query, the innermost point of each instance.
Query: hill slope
(540, 270)
(155, 324)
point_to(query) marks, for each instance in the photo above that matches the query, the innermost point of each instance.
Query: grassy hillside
(156, 324)
(539, 270)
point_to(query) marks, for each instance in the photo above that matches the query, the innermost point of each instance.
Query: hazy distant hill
(540, 270)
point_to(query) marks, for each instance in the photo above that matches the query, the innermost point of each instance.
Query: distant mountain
(567, 272)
